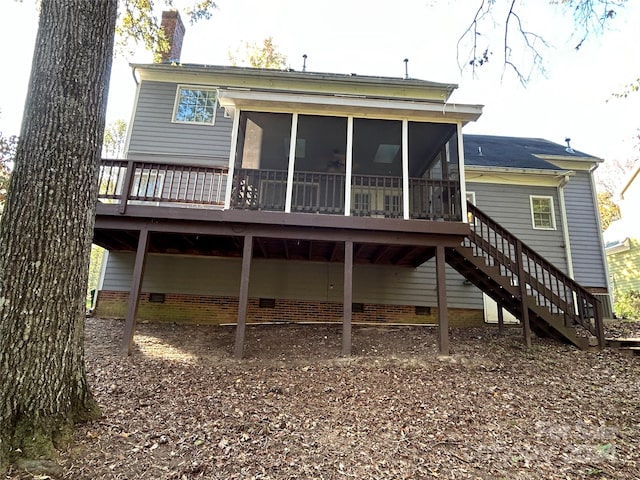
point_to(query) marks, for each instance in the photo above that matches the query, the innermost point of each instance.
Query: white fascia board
(515, 176)
(620, 247)
(572, 163)
(381, 87)
(348, 105)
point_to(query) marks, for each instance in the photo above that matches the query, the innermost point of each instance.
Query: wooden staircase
(626, 346)
(522, 282)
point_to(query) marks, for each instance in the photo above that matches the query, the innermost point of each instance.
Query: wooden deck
(170, 209)
(167, 209)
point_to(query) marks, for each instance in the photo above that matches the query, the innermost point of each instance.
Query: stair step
(630, 351)
(489, 279)
(622, 342)
(585, 343)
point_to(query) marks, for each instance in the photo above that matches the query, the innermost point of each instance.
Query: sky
(574, 99)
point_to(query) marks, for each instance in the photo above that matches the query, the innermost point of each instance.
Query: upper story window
(195, 105)
(542, 213)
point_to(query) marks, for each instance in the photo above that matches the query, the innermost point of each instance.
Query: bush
(628, 304)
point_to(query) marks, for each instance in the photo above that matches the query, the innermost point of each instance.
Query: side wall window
(542, 213)
(195, 105)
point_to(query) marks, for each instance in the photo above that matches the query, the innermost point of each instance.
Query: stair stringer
(489, 280)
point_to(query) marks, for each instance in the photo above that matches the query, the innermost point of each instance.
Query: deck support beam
(524, 308)
(134, 292)
(348, 298)
(443, 314)
(243, 298)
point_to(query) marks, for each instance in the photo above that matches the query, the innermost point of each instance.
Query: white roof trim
(618, 247)
(446, 112)
(524, 171)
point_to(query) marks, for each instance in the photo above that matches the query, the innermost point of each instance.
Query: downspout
(127, 141)
(565, 224)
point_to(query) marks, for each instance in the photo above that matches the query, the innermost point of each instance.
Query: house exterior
(516, 179)
(252, 195)
(623, 238)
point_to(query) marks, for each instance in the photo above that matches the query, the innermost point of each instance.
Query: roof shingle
(514, 152)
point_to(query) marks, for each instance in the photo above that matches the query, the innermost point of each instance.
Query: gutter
(133, 74)
(537, 171)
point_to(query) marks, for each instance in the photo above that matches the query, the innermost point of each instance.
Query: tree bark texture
(47, 228)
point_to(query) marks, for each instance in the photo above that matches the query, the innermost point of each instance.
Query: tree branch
(472, 30)
(530, 39)
(589, 16)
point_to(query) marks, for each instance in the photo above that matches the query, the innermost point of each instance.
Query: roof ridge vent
(569, 149)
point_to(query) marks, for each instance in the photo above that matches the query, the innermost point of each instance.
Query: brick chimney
(174, 31)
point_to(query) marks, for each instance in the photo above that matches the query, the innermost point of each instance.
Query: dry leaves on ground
(181, 408)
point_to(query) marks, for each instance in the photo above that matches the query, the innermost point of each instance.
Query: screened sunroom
(346, 165)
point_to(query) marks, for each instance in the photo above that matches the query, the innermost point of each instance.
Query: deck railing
(376, 196)
(259, 189)
(315, 192)
(550, 287)
(431, 199)
(371, 195)
(123, 181)
(129, 181)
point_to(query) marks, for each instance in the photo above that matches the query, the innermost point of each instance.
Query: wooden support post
(126, 186)
(500, 319)
(134, 292)
(599, 323)
(348, 298)
(443, 314)
(247, 252)
(526, 327)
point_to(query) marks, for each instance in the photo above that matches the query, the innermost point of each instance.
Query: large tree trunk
(47, 227)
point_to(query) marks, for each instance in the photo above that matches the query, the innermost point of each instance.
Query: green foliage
(115, 135)
(609, 211)
(628, 304)
(137, 22)
(7, 153)
(201, 10)
(97, 253)
(260, 56)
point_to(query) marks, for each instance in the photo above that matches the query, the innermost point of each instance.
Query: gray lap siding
(372, 284)
(510, 206)
(153, 133)
(582, 218)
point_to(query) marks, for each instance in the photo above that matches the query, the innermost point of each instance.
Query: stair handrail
(577, 304)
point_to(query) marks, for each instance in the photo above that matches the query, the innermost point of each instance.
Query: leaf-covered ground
(181, 408)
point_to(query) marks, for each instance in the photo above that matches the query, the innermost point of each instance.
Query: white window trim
(553, 212)
(176, 102)
(470, 196)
